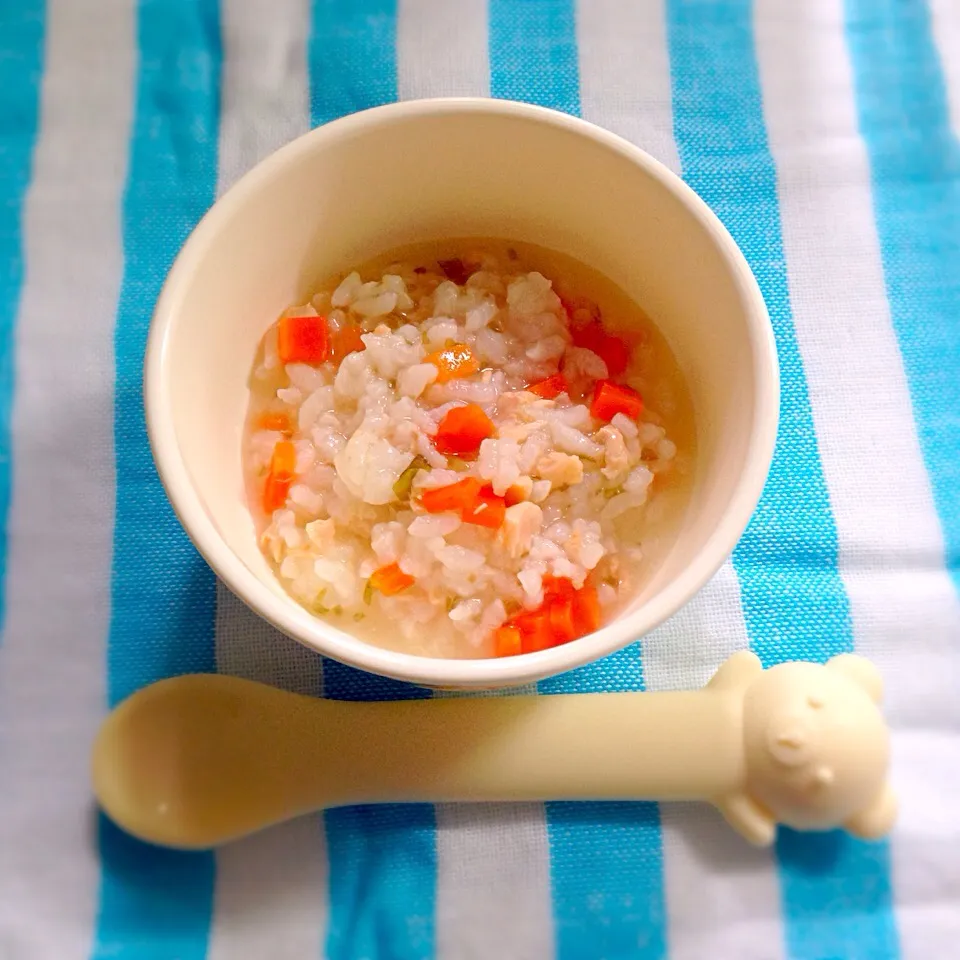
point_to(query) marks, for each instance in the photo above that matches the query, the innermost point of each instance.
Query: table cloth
(824, 133)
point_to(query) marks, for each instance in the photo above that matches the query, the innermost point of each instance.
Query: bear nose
(790, 741)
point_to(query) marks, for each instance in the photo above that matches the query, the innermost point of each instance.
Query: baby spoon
(196, 761)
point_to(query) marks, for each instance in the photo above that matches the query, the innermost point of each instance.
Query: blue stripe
(606, 859)
(915, 163)
(352, 53)
(382, 859)
(21, 62)
(606, 868)
(157, 904)
(836, 891)
(533, 53)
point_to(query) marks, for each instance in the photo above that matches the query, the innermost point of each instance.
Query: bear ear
(876, 819)
(861, 672)
(737, 671)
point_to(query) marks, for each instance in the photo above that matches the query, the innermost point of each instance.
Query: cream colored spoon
(196, 761)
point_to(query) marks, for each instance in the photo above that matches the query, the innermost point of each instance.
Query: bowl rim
(284, 613)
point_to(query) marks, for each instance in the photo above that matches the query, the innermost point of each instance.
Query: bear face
(816, 746)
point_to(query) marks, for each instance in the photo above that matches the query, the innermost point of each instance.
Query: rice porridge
(466, 449)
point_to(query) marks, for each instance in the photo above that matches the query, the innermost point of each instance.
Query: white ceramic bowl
(442, 168)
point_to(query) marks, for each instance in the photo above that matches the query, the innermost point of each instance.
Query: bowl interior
(393, 177)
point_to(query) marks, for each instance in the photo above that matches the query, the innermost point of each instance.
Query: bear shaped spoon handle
(196, 761)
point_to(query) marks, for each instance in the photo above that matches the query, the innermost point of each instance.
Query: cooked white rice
(359, 426)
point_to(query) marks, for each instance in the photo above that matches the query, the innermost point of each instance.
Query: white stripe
(52, 687)
(265, 84)
(625, 86)
(247, 646)
(905, 610)
(493, 882)
(442, 49)
(493, 874)
(722, 896)
(930, 878)
(945, 18)
(271, 889)
(625, 73)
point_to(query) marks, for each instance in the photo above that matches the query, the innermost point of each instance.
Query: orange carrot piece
(562, 620)
(609, 399)
(274, 421)
(390, 580)
(557, 587)
(279, 477)
(507, 641)
(453, 362)
(453, 497)
(462, 430)
(586, 329)
(303, 340)
(586, 610)
(614, 352)
(588, 335)
(487, 510)
(476, 503)
(535, 631)
(550, 388)
(564, 615)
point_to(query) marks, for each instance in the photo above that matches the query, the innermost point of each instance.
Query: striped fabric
(824, 133)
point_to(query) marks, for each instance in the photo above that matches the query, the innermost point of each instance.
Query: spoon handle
(600, 746)
(197, 760)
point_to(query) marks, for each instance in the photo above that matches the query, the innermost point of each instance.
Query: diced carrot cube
(550, 388)
(303, 340)
(475, 503)
(452, 497)
(535, 631)
(609, 399)
(614, 352)
(562, 620)
(279, 476)
(589, 336)
(586, 610)
(390, 580)
(274, 421)
(507, 641)
(453, 362)
(488, 509)
(462, 430)
(557, 587)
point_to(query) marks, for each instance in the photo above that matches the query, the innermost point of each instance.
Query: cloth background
(825, 135)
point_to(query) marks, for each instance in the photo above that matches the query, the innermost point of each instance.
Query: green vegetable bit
(318, 602)
(368, 593)
(401, 489)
